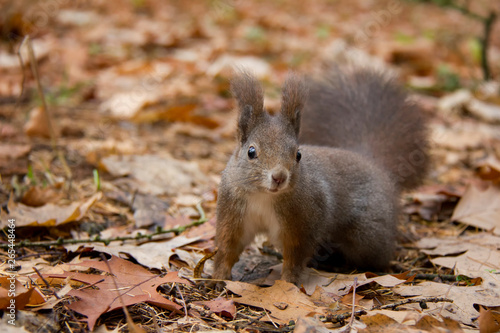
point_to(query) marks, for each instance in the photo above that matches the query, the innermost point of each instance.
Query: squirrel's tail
(366, 111)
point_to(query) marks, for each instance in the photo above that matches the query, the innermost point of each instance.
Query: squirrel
(329, 185)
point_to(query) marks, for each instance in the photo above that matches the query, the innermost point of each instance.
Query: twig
(414, 300)
(488, 27)
(48, 118)
(34, 70)
(106, 241)
(91, 285)
(446, 295)
(21, 63)
(351, 321)
(268, 316)
(341, 317)
(183, 300)
(488, 22)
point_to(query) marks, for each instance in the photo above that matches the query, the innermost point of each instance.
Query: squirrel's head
(268, 155)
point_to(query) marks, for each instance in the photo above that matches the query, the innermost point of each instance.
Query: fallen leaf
(307, 324)
(489, 169)
(38, 125)
(156, 174)
(135, 285)
(125, 105)
(381, 323)
(486, 111)
(341, 284)
(152, 254)
(148, 209)
(489, 322)
(299, 304)
(221, 306)
(48, 215)
(37, 196)
(462, 309)
(13, 151)
(23, 296)
(475, 256)
(480, 208)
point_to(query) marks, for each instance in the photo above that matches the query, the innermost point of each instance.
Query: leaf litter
(140, 99)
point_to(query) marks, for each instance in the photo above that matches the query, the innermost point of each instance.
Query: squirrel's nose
(279, 177)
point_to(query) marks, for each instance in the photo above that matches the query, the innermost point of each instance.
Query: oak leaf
(135, 285)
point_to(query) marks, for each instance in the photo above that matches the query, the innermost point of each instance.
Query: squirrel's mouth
(276, 189)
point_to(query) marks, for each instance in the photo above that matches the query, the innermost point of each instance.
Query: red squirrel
(331, 183)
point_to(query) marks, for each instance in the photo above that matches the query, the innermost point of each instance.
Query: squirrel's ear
(293, 99)
(250, 97)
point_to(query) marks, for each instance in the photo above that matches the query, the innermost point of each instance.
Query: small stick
(351, 321)
(414, 300)
(183, 300)
(34, 69)
(21, 63)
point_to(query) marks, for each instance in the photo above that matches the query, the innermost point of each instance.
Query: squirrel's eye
(252, 153)
(299, 156)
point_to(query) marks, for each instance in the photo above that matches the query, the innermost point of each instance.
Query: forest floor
(141, 123)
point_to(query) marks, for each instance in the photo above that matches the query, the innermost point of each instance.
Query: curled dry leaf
(37, 125)
(37, 196)
(23, 296)
(489, 321)
(490, 170)
(48, 215)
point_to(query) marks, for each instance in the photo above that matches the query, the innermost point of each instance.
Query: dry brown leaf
(475, 256)
(156, 174)
(480, 208)
(341, 284)
(381, 323)
(489, 322)
(462, 309)
(307, 324)
(221, 306)
(298, 304)
(135, 283)
(49, 215)
(489, 169)
(36, 196)
(13, 151)
(37, 125)
(152, 255)
(406, 321)
(23, 296)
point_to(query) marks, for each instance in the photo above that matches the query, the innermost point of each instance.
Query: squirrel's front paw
(292, 277)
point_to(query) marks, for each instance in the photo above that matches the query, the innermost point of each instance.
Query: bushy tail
(366, 111)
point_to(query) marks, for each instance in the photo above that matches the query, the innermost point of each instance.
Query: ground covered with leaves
(112, 147)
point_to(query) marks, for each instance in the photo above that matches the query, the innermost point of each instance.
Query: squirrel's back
(364, 110)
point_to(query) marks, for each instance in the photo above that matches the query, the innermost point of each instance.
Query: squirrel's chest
(260, 217)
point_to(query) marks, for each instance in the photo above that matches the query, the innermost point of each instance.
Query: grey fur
(335, 199)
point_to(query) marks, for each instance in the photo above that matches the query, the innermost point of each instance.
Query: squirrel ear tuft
(293, 99)
(250, 97)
